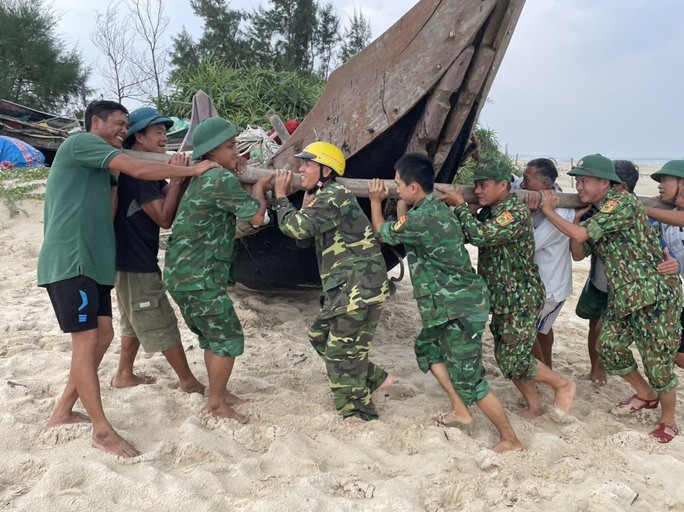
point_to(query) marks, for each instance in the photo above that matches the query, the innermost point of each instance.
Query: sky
(579, 76)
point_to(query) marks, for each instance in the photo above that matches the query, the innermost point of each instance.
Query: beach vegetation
(20, 184)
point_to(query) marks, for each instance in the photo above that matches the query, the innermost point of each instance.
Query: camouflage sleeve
(406, 230)
(320, 215)
(613, 217)
(230, 195)
(492, 232)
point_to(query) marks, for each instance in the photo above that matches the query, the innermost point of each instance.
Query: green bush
(244, 95)
(489, 148)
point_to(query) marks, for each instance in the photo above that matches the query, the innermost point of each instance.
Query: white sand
(295, 455)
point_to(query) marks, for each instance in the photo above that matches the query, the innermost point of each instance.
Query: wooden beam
(359, 187)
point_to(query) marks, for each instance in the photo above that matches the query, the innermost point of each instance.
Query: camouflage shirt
(505, 237)
(352, 268)
(622, 236)
(199, 253)
(444, 283)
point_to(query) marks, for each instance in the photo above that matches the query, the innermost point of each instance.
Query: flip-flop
(664, 433)
(626, 407)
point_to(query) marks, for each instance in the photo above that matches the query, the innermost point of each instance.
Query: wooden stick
(359, 187)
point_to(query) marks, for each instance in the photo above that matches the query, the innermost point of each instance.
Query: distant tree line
(278, 56)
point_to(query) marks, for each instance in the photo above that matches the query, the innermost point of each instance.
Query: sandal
(626, 407)
(664, 433)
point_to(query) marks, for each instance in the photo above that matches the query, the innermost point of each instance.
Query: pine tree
(356, 36)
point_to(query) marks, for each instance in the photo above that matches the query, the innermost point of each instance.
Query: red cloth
(290, 126)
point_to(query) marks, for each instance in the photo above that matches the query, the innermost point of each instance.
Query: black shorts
(78, 302)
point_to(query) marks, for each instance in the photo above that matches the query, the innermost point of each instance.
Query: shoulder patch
(313, 202)
(609, 206)
(399, 223)
(505, 219)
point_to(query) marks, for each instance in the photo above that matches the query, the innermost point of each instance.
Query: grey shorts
(146, 312)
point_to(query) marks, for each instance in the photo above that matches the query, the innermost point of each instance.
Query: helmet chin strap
(322, 180)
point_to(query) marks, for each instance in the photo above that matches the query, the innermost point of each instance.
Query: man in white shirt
(552, 253)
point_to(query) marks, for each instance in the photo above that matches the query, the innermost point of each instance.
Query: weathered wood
(367, 95)
(359, 187)
(278, 125)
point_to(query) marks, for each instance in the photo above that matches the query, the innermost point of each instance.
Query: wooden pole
(359, 187)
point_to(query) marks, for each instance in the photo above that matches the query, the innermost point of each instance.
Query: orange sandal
(626, 407)
(664, 433)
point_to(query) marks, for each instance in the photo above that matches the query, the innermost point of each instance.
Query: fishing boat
(420, 86)
(42, 130)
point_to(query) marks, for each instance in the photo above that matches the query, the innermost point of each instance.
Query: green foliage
(489, 148)
(243, 95)
(37, 70)
(19, 184)
(356, 37)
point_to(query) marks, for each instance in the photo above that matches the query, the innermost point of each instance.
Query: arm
(148, 170)
(377, 192)
(258, 193)
(576, 232)
(672, 217)
(163, 211)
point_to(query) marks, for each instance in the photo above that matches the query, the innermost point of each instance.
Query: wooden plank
(278, 126)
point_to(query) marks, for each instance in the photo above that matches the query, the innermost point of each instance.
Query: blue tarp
(19, 153)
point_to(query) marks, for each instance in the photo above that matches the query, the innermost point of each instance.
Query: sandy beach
(295, 454)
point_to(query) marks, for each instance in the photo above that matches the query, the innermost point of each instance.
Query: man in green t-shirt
(76, 262)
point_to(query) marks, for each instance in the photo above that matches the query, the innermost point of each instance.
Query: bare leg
(459, 412)
(641, 387)
(85, 359)
(492, 408)
(545, 342)
(188, 382)
(598, 373)
(219, 369)
(125, 378)
(679, 360)
(667, 403)
(528, 389)
(564, 389)
(63, 412)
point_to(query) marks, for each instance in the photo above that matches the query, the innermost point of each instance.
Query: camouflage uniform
(643, 306)
(452, 299)
(199, 258)
(505, 237)
(354, 281)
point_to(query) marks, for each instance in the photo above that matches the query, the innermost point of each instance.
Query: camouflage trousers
(514, 336)
(343, 342)
(656, 331)
(210, 315)
(458, 344)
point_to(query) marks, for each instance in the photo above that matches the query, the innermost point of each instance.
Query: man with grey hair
(552, 253)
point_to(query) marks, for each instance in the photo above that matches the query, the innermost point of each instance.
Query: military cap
(210, 134)
(492, 169)
(596, 166)
(672, 168)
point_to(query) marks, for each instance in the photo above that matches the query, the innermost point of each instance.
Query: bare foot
(454, 419)
(232, 399)
(111, 442)
(130, 381)
(506, 445)
(530, 414)
(564, 397)
(226, 411)
(353, 421)
(67, 419)
(192, 386)
(599, 377)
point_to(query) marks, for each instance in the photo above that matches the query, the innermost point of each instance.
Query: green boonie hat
(596, 166)
(210, 134)
(140, 119)
(492, 169)
(671, 168)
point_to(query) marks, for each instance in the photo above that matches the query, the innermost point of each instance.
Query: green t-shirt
(79, 231)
